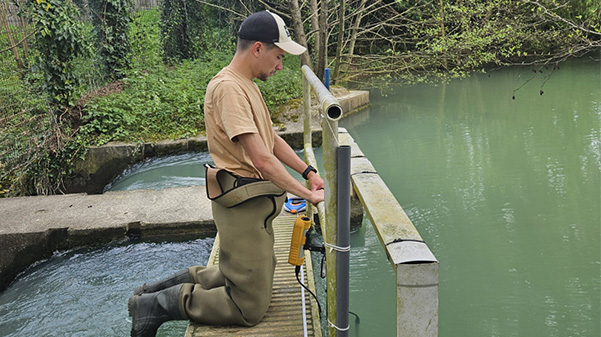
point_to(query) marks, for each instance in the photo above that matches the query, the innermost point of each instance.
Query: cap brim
(291, 47)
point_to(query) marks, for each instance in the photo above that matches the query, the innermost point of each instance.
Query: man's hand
(317, 196)
(317, 185)
(315, 181)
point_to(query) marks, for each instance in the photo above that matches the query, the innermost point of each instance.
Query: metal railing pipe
(308, 135)
(328, 103)
(331, 112)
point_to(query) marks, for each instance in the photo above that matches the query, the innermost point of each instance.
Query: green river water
(506, 193)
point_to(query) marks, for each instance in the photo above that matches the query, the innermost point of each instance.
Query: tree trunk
(339, 47)
(315, 24)
(443, 35)
(299, 32)
(11, 41)
(354, 30)
(25, 45)
(322, 53)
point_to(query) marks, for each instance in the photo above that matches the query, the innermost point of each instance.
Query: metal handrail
(415, 266)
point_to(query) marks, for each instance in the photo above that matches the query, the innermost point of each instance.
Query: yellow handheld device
(297, 253)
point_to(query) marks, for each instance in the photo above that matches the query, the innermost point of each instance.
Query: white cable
(337, 328)
(303, 301)
(337, 248)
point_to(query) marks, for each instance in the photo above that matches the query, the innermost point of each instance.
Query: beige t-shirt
(234, 106)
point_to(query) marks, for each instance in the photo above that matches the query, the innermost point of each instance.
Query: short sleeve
(234, 109)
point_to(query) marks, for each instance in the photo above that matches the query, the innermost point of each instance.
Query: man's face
(270, 62)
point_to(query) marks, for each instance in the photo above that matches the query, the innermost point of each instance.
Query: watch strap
(307, 170)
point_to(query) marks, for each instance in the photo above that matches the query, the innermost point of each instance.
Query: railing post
(332, 112)
(330, 142)
(417, 299)
(307, 134)
(343, 233)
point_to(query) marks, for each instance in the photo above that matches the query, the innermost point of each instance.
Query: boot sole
(131, 302)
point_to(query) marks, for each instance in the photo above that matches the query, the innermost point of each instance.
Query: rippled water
(162, 172)
(85, 292)
(506, 193)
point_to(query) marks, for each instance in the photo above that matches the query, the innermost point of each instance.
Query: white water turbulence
(85, 292)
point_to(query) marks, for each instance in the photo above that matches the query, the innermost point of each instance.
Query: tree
(182, 29)
(111, 21)
(11, 41)
(427, 40)
(60, 38)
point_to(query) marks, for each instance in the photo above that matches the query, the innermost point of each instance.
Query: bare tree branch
(18, 43)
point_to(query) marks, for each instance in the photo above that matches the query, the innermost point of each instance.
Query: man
(247, 190)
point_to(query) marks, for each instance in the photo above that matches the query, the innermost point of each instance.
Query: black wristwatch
(307, 170)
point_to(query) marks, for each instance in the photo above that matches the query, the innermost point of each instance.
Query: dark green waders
(238, 289)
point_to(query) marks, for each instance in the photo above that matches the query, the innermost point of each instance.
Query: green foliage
(111, 22)
(165, 103)
(182, 29)
(284, 86)
(168, 103)
(145, 40)
(420, 41)
(46, 130)
(60, 41)
(45, 174)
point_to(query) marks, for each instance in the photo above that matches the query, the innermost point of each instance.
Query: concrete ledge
(33, 228)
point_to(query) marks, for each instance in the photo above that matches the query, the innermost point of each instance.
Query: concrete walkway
(32, 228)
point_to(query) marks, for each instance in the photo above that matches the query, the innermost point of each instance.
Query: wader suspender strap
(221, 188)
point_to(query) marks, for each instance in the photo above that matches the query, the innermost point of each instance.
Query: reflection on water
(85, 292)
(163, 172)
(505, 192)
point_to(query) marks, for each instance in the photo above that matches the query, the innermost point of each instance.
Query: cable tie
(364, 172)
(404, 240)
(337, 328)
(337, 248)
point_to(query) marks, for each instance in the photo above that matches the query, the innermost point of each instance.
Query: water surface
(506, 192)
(84, 292)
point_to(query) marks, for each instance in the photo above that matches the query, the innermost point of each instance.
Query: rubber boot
(149, 311)
(182, 276)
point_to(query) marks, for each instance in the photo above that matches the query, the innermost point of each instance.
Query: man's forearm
(286, 154)
(271, 167)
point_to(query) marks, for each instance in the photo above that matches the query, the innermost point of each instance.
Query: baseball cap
(268, 27)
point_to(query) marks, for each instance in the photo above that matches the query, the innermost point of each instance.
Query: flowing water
(506, 193)
(84, 292)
